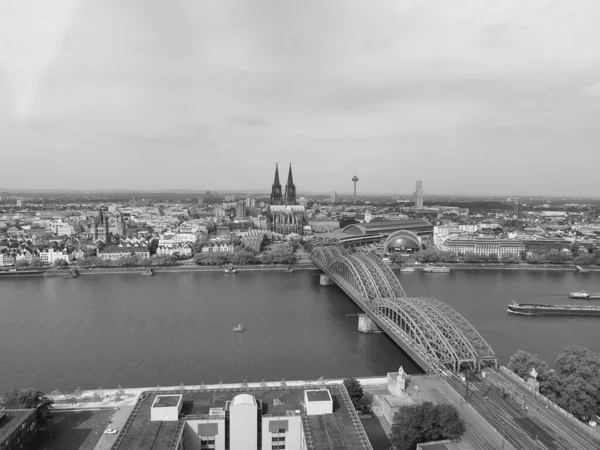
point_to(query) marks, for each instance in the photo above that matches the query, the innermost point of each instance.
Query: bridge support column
(366, 325)
(325, 280)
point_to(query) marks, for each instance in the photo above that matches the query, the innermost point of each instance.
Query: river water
(109, 330)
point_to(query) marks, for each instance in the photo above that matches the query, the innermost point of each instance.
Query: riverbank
(51, 272)
(499, 266)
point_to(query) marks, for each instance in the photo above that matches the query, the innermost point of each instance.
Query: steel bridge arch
(324, 254)
(418, 327)
(387, 273)
(442, 335)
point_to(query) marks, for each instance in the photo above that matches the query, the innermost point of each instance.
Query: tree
(28, 399)
(280, 254)
(493, 257)
(355, 390)
(243, 256)
(522, 362)
(523, 255)
(430, 255)
(22, 263)
(584, 259)
(510, 258)
(36, 263)
(425, 422)
(398, 258)
(60, 263)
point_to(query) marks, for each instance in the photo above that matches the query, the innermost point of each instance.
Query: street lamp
(417, 389)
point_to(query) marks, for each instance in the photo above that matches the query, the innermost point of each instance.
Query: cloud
(361, 80)
(594, 89)
(248, 121)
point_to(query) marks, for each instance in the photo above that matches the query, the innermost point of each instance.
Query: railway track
(504, 419)
(577, 438)
(473, 435)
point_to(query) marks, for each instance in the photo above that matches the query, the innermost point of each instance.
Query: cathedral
(285, 216)
(100, 227)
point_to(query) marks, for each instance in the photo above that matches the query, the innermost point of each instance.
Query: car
(110, 431)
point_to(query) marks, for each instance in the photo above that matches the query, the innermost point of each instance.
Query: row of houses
(48, 256)
(182, 250)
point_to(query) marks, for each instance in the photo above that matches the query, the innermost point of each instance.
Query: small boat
(73, 273)
(407, 269)
(436, 269)
(584, 294)
(229, 269)
(148, 272)
(238, 328)
(289, 269)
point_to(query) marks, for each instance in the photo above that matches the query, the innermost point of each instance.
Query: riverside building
(483, 245)
(18, 428)
(275, 418)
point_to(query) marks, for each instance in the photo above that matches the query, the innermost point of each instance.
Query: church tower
(276, 196)
(290, 189)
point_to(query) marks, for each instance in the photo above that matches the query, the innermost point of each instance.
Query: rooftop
(330, 432)
(321, 395)
(163, 401)
(389, 226)
(10, 419)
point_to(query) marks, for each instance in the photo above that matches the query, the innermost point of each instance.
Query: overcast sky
(472, 96)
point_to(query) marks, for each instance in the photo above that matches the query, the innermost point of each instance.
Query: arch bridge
(431, 332)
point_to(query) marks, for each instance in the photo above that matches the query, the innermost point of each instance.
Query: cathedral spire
(290, 189)
(276, 195)
(276, 182)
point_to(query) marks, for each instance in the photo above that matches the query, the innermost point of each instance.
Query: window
(278, 447)
(278, 438)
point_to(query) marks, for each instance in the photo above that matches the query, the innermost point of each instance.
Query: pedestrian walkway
(118, 420)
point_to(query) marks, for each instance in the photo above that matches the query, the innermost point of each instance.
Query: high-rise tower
(290, 189)
(355, 179)
(276, 196)
(418, 195)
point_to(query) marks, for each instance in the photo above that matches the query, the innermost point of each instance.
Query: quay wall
(157, 269)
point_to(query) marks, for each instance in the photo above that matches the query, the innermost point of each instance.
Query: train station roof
(418, 226)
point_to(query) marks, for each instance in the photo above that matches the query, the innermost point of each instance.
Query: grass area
(74, 430)
(377, 435)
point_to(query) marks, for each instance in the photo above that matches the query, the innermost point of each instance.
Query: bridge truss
(436, 333)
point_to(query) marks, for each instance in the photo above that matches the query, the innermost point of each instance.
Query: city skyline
(500, 99)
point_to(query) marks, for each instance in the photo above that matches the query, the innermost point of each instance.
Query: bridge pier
(367, 325)
(324, 280)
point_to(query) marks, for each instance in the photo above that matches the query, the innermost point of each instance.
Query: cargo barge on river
(539, 309)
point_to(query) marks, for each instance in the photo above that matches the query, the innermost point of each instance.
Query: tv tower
(355, 179)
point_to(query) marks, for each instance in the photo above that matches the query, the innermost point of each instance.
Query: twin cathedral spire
(288, 197)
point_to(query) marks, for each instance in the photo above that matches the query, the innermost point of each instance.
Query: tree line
(575, 383)
(276, 254)
(433, 255)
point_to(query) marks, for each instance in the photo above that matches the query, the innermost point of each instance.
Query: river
(110, 330)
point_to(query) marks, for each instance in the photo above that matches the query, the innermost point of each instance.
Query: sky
(471, 96)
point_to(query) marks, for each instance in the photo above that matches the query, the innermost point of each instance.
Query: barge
(540, 309)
